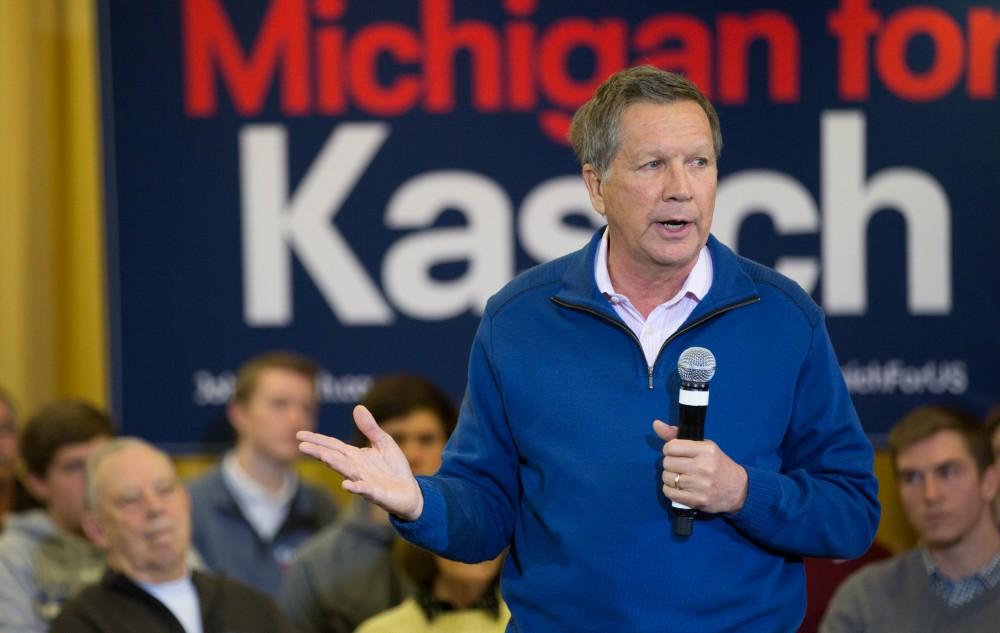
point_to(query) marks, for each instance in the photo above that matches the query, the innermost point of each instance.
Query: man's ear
(236, 412)
(990, 482)
(38, 487)
(92, 528)
(592, 179)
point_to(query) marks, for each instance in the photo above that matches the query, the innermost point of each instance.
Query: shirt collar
(990, 574)
(245, 489)
(433, 607)
(958, 593)
(698, 281)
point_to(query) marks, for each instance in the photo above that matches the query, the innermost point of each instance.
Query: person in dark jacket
(139, 513)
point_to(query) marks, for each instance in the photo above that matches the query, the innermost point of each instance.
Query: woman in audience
(451, 597)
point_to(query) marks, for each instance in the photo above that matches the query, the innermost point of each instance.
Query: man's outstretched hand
(379, 473)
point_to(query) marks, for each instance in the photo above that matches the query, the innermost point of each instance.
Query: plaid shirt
(957, 593)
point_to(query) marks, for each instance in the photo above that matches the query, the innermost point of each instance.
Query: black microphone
(696, 367)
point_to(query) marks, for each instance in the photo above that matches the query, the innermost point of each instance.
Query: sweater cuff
(757, 513)
(427, 530)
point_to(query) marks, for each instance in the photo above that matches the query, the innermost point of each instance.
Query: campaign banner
(354, 179)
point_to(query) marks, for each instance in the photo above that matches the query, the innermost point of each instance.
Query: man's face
(659, 193)
(421, 436)
(469, 573)
(942, 491)
(143, 515)
(8, 440)
(283, 403)
(61, 490)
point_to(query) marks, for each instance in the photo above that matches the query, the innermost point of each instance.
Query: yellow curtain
(53, 339)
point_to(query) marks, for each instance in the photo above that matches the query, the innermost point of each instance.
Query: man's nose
(676, 182)
(154, 504)
(932, 489)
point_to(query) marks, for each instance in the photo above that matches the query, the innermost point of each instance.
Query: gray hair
(595, 132)
(113, 446)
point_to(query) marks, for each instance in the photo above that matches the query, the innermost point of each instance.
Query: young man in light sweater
(947, 481)
(44, 556)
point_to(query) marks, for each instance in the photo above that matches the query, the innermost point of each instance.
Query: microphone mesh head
(696, 364)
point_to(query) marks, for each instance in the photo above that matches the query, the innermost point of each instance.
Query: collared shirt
(265, 511)
(666, 318)
(957, 593)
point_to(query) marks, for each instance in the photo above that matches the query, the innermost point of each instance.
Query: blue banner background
(176, 215)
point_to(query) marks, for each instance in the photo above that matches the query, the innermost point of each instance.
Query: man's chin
(285, 454)
(940, 540)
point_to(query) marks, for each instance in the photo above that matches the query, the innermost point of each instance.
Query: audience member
(951, 582)
(252, 513)
(451, 597)
(139, 513)
(993, 432)
(44, 557)
(14, 497)
(346, 573)
(824, 575)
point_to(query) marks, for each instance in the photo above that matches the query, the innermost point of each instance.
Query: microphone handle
(691, 426)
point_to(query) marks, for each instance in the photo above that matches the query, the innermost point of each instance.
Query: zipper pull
(650, 374)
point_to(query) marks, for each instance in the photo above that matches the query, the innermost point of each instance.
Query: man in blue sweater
(561, 452)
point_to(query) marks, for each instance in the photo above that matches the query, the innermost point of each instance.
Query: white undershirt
(181, 598)
(265, 511)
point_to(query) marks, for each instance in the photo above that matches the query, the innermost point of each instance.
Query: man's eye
(700, 162)
(653, 164)
(127, 502)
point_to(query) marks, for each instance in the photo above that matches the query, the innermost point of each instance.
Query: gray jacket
(344, 575)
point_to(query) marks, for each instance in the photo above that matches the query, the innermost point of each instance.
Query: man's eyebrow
(935, 466)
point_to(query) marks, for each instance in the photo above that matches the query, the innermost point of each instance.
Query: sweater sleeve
(469, 505)
(824, 500)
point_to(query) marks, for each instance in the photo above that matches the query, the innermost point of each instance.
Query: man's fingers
(688, 448)
(366, 423)
(332, 457)
(664, 431)
(320, 440)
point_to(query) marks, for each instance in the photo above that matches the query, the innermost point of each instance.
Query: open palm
(379, 473)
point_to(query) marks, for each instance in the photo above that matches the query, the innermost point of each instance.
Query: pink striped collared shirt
(665, 318)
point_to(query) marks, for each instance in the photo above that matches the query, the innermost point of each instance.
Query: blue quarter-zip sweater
(554, 455)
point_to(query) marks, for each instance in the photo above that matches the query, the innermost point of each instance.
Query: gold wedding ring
(677, 481)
